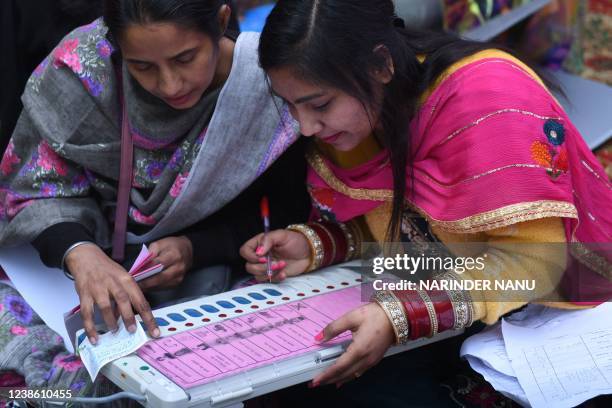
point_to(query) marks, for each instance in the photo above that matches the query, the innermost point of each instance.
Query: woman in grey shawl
(203, 124)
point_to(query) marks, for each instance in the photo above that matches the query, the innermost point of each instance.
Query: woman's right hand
(290, 253)
(99, 280)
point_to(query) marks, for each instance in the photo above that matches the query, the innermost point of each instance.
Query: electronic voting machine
(219, 350)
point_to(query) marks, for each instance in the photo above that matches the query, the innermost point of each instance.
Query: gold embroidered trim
(498, 218)
(316, 162)
(508, 215)
(594, 261)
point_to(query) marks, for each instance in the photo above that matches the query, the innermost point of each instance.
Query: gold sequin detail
(594, 261)
(490, 115)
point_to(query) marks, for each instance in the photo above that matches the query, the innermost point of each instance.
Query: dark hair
(336, 42)
(199, 15)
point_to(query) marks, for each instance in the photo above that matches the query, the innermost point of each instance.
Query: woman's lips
(180, 100)
(332, 138)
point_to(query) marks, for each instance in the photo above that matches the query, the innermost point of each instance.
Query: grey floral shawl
(62, 163)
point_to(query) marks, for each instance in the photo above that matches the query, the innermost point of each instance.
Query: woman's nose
(169, 83)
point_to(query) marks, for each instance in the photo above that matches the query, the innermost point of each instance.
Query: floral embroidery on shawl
(283, 138)
(140, 218)
(551, 153)
(9, 160)
(83, 57)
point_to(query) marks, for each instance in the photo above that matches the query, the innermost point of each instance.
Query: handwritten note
(242, 343)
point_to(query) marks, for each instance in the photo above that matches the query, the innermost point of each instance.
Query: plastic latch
(219, 399)
(328, 354)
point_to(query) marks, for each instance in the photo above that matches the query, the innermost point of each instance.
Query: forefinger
(143, 308)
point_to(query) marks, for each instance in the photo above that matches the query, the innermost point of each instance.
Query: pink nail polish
(319, 337)
(262, 260)
(259, 250)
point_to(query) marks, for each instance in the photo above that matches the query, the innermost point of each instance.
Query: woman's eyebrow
(179, 55)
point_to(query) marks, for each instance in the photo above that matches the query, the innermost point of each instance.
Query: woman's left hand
(372, 336)
(176, 254)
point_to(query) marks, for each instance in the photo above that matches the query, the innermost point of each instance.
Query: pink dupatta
(491, 147)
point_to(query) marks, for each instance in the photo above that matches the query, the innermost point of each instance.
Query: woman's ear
(223, 17)
(384, 74)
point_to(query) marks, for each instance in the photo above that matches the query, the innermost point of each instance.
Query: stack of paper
(544, 357)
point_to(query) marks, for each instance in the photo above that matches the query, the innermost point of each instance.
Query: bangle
(72, 247)
(350, 242)
(316, 246)
(327, 240)
(461, 301)
(431, 311)
(395, 312)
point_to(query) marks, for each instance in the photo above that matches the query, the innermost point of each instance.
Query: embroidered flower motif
(104, 48)
(141, 218)
(176, 161)
(552, 154)
(19, 308)
(77, 386)
(80, 184)
(541, 154)
(155, 169)
(554, 132)
(93, 87)
(49, 160)
(9, 160)
(70, 363)
(48, 189)
(323, 199)
(66, 54)
(177, 187)
(19, 330)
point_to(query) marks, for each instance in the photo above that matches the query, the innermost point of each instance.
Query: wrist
(73, 256)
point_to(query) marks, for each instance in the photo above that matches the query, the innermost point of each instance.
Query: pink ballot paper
(221, 349)
(140, 270)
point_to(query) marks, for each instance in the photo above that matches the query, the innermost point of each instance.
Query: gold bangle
(331, 239)
(463, 309)
(350, 242)
(316, 246)
(395, 312)
(431, 311)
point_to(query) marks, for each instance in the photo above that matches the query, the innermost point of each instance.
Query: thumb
(268, 241)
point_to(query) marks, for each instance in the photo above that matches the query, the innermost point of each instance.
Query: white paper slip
(505, 384)
(488, 346)
(563, 360)
(110, 346)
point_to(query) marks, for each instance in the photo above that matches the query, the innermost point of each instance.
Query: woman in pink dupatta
(428, 138)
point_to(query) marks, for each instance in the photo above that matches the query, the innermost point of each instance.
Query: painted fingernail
(282, 264)
(319, 337)
(156, 332)
(132, 328)
(262, 260)
(277, 265)
(259, 250)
